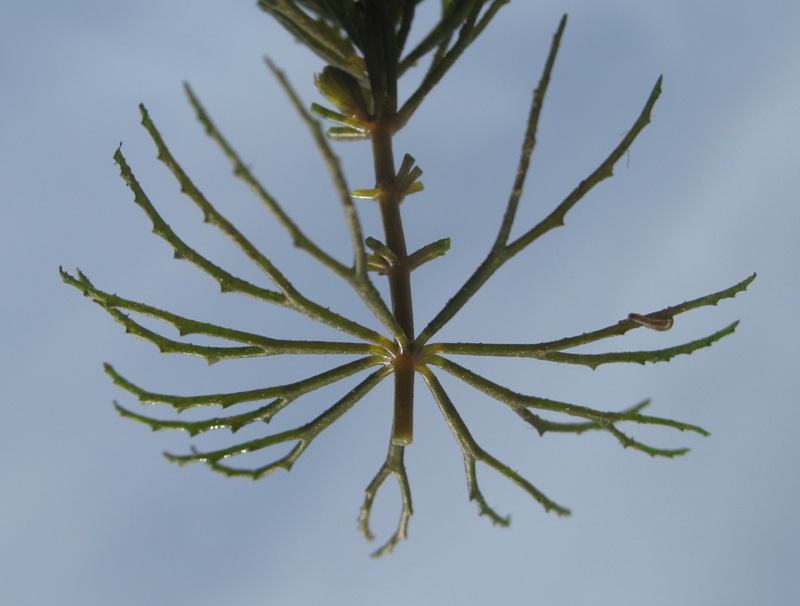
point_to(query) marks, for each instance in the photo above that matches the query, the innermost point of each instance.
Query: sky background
(90, 512)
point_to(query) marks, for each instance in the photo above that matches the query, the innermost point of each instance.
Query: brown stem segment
(403, 423)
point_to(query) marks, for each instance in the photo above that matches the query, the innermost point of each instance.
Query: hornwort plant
(363, 45)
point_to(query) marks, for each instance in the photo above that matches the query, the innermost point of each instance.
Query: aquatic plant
(363, 47)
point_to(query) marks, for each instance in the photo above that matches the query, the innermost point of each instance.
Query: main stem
(378, 41)
(399, 276)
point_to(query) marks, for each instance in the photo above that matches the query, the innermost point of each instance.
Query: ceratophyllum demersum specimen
(363, 46)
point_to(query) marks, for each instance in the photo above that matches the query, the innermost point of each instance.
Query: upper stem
(389, 200)
(399, 275)
(381, 56)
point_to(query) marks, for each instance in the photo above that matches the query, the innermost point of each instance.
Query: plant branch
(257, 345)
(543, 426)
(440, 66)
(453, 14)
(290, 296)
(498, 256)
(517, 400)
(529, 140)
(392, 466)
(303, 435)
(540, 350)
(225, 400)
(193, 428)
(241, 171)
(334, 167)
(320, 37)
(473, 453)
(590, 360)
(358, 279)
(227, 281)
(469, 31)
(602, 172)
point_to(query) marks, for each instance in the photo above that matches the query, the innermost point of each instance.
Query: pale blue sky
(90, 513)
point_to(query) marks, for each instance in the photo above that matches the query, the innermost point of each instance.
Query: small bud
(383, 258)
(344, 91)
(381, 249)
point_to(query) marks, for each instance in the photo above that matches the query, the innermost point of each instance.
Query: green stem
(381, 56)
(389, 202)
(399, 275)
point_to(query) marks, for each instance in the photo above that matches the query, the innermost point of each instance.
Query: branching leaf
(290, 390)
(303, 436)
